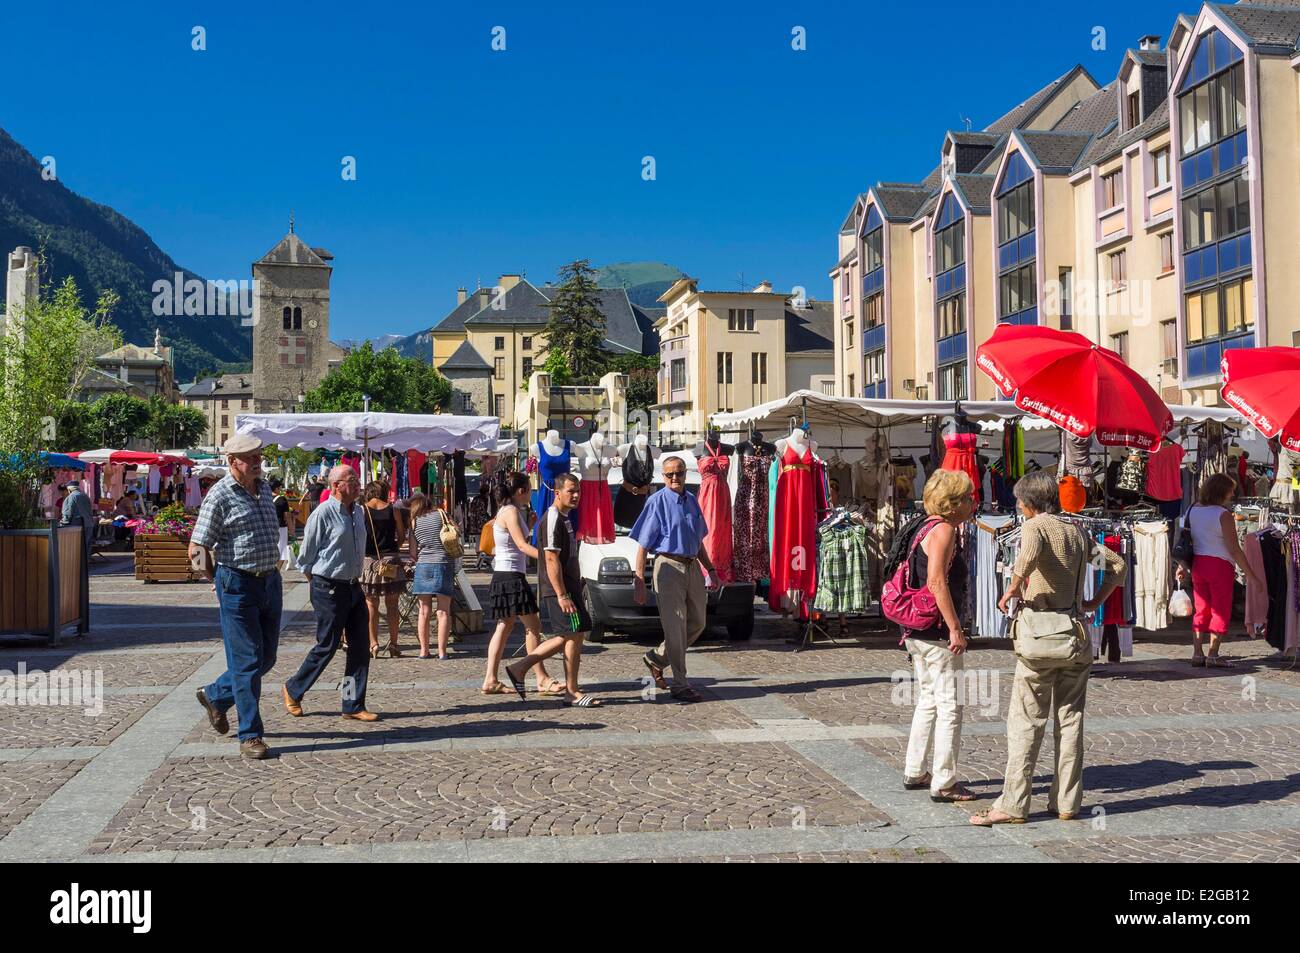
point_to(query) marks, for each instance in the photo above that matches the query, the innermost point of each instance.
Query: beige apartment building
(1156, 215)
(728, 350)
(221, 399)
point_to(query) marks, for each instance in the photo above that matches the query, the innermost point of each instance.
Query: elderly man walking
(78, 510)
(237, 522)
(331, 557)
(672, 527)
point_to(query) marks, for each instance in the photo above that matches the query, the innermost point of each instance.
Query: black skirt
(511, 594)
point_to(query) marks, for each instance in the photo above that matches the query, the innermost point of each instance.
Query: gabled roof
(466, 358)
(1149, 57)
(527, 305)
(292, 250)
(227, 385)
(974, 138)
(1023, 114)
(454, 322)
(1269, 26)
(1054, 152)
(899, 201)
(851, 220)
(135, 354)
(522, 304)
(811, 328)
(1114, 142)
(1093, 114)
(978, 191)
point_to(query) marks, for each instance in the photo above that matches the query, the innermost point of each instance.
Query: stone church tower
(291, 329)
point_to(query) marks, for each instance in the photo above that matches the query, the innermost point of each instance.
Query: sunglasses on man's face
(674, 474)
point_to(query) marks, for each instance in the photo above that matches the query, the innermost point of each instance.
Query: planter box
(163, 557)
(44, 582)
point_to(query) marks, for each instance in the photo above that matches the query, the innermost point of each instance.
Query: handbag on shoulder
(449, 536)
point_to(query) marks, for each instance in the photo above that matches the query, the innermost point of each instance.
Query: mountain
(645, 281)
(379, 343)
(102, 249)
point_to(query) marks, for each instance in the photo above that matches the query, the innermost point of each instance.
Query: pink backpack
(912, 610)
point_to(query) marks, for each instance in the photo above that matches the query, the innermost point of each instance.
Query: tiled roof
(1266, 24)
(522, 304)
(978, 190)
(1026, 111)
(227, 385)
(455, 320)
(466, 358)
(811, 328)
(1093, 114)
(850, 220)
(292, 250)
(1057, 151)
(645, 319)
(975, 138)
(1113, 143)
(525, 304)
(899, 200)
(1150, 57)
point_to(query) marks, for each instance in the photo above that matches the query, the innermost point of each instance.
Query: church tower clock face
(313, 324)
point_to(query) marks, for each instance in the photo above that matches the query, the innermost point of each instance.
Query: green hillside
(645, 281)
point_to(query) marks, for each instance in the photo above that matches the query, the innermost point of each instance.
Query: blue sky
(472, 162)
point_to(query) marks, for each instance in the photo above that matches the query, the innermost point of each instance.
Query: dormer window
(1134, 110)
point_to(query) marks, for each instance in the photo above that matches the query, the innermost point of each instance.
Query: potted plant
(162, 546)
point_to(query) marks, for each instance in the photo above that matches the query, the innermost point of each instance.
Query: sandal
(497, 689)
(985, 819)
(394, 651)
(374, 651)
(953, 795)
(583, 701)
(915, 784)
(1218, 661)
(518, 683)
(1198, 661)
(553, 688)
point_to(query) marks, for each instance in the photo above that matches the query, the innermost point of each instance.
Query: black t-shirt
(957, 575)
(281, 509)
(557, 536)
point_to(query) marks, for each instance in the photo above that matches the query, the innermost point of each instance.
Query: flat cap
(241, 443)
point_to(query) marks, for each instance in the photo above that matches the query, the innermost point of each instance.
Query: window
(952, 318)
(1119, 344)
(724, 367)
(1213, 110)
(950, 246)
(499, 402)
(873, 247)
(740, 319)
(1118, 271)
(875, 368)
(1016, 212)
(225, 404)
(848, 333)
(852, 387)
(1134, 110)
(500, 344)
(1220, 312)
(1166, 253)
(1169, 346)
(1016, 291)
(758, 367)
(1215, 213)
(297, 319)
(1066, 277)
(499, 368)
(288, 318)
(528, 368)
(225, 420)
(874, 311)
(1112, 189)
(243, 403)
(1160, 167)
(677, 374)
(952, 382)
(527, 343)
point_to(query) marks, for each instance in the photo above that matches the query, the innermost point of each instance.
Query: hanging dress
(595, 505)
(549, 466)
(750, 552)
(638, 471)
(960, 455)
(715, 501)
(794, 540)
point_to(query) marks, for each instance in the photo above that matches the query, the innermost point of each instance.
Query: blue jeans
(340, 607)
(250, 629)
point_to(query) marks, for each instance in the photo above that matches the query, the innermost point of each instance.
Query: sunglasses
(675, 475)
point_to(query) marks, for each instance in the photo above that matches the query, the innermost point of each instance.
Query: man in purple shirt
(672, 527)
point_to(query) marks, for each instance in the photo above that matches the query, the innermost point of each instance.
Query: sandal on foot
(497, 688)
(553, 688)
(915, 784)
(1198, 661)
(583, 701)
(374, 651)
(656, 672)
(518, 683)
(953, 795)
(1218, 661)
(985, 819)
(394, 651)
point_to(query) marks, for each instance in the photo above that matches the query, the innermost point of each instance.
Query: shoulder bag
(385, 568)
(1051, 635)
(449, 536)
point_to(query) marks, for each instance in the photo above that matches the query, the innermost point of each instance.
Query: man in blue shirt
(331, 556)
(672, 527)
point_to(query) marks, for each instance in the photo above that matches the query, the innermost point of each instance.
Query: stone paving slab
(117, 669)
(1235, 847)
(388, 798)
(887, 856)
(24, 787)
(42, 726)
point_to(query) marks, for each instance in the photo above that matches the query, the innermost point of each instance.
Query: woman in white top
(511, 595)
(1216, 549)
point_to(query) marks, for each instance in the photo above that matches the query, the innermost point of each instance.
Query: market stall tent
(428, 433)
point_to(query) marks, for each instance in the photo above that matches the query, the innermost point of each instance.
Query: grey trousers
(683, 604)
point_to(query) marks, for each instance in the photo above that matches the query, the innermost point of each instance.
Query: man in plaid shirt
(238, 522)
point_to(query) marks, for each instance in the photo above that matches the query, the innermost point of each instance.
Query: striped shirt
(427, 528)
(1053, 559)
(241, 529)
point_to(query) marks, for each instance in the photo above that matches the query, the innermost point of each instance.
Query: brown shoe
(254, 748)
(360, 716)
(1064, 816)
(217, 719)
(292, 707)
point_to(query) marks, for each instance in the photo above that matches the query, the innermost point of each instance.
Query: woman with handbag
(1214, 551)
(383, 575)
(435, 568)
(1053, 652)
(935, 562)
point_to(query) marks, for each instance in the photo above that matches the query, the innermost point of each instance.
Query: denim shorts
(434, 579)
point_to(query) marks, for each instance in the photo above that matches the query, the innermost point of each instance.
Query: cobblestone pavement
(793, 757)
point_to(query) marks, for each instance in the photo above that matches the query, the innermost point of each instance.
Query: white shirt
(1207, 533)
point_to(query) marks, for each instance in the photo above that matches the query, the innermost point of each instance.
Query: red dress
(961, 456)
(794, 536)
(715, 501)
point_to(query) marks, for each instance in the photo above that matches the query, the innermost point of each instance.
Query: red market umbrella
(1081, 387)
(1260, 383)
(106, 455)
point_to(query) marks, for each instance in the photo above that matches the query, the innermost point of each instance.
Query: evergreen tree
(576, 328)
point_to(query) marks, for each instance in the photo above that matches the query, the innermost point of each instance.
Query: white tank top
(1207, 534)
(508, 557)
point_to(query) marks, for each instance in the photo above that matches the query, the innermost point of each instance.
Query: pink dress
(715, 501)
(595, 504)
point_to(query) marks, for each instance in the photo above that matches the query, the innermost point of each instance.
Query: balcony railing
(873, 339)
(952, 349)
(1016, 251)
(1217, 259)
(1203, 360)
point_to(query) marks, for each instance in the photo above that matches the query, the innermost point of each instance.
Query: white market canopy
(503, 448)
(428, 433)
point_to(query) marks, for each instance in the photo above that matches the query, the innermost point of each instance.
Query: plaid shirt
(243, 531)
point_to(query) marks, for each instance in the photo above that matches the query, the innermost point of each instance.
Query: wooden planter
(44, 582)
(163, 557)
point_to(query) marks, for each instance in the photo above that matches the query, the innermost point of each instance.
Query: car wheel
(741, 630)
(598, 631)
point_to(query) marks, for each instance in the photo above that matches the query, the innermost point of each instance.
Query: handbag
(385, 568)
(910, 609)
(1050, 634)
(1184, 552)
(449, 536)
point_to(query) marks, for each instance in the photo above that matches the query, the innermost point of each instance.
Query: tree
(394, 384)
(642, 378)
(119, 418)
(576, 328)
(173, 426)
